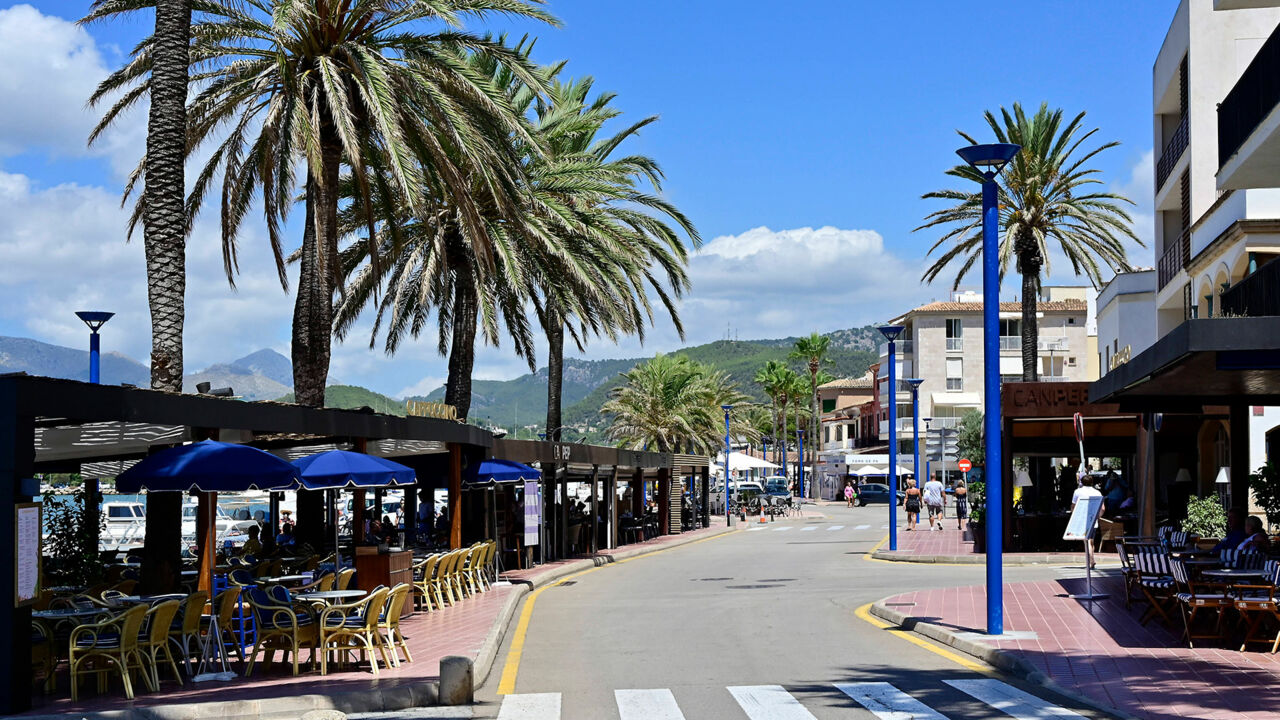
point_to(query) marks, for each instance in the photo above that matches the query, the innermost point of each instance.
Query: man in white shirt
(1085, 490)
(934, 499)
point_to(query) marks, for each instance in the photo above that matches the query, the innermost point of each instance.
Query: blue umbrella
(495, 471)
(209, 466)
(337, 469)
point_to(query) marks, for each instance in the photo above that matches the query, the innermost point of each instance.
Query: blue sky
(797, 136)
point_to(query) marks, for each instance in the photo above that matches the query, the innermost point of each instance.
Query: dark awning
(494, 471)
(1212, 361)
(210, 466)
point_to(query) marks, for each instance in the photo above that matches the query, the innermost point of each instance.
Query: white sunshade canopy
(867, 471)
(743, 461)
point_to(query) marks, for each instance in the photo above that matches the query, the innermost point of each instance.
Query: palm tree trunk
(782, 444)
(462, 348)
(555, 369)
(1029, 264)
(777, 415)
(164, 244)
(313, 309)
(813, 417)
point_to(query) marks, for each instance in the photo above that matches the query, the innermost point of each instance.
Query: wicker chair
(422, 588)
(153, 643)
(280, 628)
(185, 630)
(389, 624)
(344, 578)
(112, 643)
(353, 626)
(225, 605)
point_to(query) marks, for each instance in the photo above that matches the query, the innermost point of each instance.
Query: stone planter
(979, 538)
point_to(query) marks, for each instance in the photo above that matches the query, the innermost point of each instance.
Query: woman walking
(962, 504)
(912, 504)
(848, 493)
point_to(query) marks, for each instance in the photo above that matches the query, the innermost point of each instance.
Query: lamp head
(800, 433)
(914, 383)
(990, 158)
(94, 318)
(891, 332)
(1224, 476)
(726, 408)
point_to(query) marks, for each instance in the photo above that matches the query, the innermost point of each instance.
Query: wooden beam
(455, 496)
(595, 511)
(664, 501)
(206, 538)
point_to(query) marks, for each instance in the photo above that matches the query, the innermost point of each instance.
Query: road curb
(1001, 659)
(981, 559)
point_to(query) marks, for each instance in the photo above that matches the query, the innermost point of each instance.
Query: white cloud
(51, 67)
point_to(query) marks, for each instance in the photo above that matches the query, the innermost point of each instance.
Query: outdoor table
(68, 613)
(67, 589)
(332, 596)
(146, 599)
(1231, 574)
(1193, 553)
(283, 579)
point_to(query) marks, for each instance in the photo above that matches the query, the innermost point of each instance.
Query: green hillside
(350, 397)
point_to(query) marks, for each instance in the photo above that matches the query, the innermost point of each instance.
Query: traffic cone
(763, 519)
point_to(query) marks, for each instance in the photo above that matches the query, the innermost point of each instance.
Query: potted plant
(1205, 517)
(977, 507)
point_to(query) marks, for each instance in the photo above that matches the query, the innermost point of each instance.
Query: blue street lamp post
(891, 333)
(989, 160)
(915, 429)
(728, 519)
(800, 445)
(95, 319)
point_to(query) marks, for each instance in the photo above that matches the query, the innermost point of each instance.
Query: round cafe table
(332, 596)
(1232, 574)
(69, 613)
(282, 579)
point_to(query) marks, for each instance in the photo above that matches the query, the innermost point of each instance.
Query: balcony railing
(1010, 342)
(1175, 258)
(1255, 296)
(955, 343)
(1255, 94)
(900, 348)
(1172, 152)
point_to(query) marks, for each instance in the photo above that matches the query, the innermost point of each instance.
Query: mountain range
(517, 403)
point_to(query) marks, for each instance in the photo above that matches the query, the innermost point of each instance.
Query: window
(119, 511)
(1010, 328)
(826, 434)
(1071, 362)
(955, 374)
(955, 333)
(828, 405)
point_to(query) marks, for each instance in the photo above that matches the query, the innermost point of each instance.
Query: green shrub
(1265, 484)
(1205, 517)
(977, 501)
(70, 555)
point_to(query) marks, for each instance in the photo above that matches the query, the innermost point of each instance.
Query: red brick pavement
(1106, 655)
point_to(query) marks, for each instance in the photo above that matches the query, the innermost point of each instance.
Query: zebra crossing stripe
(784, 528)
(530, 706)
(754, 529)
(811, 528)
(884, 527)
(863, 527)
(888, 702)
(1010, 700)
(833, 528)
(769, 702)
(647, 705)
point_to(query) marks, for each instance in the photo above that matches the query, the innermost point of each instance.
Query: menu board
(26, 548)
(1083, 518)
(532, 512)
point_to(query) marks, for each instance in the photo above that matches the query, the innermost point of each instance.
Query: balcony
(1257, 295)
(1173, 152)
(904, 426)
(1248, 127)
(955, 344)
(1010, 342)
(1175, 258)
(901, 347)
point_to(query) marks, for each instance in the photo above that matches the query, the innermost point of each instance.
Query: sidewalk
(473, 628)
(1103, 656)
(949, 546)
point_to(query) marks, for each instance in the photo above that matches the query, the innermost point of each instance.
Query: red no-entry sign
(965, 465)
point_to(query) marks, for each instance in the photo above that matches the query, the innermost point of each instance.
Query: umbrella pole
(206, 503)
(337, 553)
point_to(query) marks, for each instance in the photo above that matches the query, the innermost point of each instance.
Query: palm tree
(1045, 200)
(788, 382)
(368, 85)
(769, 378)
(813, 352)
(671, 403)
(798, 388)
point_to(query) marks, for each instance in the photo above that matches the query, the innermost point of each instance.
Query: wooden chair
(280, 628)
(344, 578)
(186, 629)
(112, 643)
(1196, 596)
(389, 624)
(1106, 533)
(1155, 581)
(153, 643)
(353, 626)
(1258, 604)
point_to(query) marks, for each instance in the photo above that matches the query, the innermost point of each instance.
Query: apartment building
(942, 345)
(849, 409)
(1126, 317)
(1211, 227)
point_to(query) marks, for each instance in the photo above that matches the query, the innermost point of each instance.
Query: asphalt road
(750, 625)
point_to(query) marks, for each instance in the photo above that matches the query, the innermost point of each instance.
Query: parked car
(777, 486)
(877, 493)
(741, 489)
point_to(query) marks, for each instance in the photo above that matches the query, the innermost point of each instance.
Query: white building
(942, 345)
(1126, 317)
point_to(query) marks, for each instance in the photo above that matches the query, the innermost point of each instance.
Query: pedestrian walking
(912, 504)
(848, 493)
(962, 504)
(936, 500)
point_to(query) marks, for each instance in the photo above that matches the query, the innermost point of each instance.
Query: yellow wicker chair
(467, 573)
(353, 626)
(112, 642)
(389, 624)
(186, 630)
(443, 578)
(344, 578)
(153, 643)
(42, 656)
(224, 606)
(280, 627)
(426, 594)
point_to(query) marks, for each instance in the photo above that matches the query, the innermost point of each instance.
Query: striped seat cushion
(1159, 583)
(1188, 597)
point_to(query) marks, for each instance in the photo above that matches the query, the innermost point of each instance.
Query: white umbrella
(743, 461)
(903, 471)
(867, 471)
